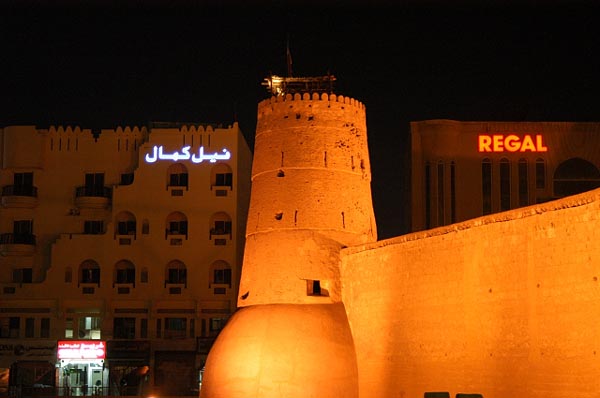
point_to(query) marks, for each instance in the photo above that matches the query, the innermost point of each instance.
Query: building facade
(120, 254)
(462, 170)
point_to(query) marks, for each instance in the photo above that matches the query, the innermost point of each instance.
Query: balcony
(12, 244)
(22, 196)
(91, 197)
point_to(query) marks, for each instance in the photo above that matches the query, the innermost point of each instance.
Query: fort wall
(502, 305)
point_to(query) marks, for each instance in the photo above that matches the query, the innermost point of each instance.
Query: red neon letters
(77, 349)
(511, 143)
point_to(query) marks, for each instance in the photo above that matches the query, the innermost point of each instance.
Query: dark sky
(105, 64)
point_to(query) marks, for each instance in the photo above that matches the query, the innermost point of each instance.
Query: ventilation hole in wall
(595, 279)
(285, 117)
(343, 221)
(538, 285)
(245, 295)
(490, 290)
(279, 216)
(311, 117)
(280, 173)
(298, 116)
(295, 217)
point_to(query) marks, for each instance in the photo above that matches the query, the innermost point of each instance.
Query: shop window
(45, 328)
(504, 184)
(29, 327)
(9, 327)
(69, 328)
(93, 227)
(124, 328)
(486, 185)
(523, 183)
(89, 327)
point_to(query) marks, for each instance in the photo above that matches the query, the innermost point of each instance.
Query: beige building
(463, 170)
(120, 254)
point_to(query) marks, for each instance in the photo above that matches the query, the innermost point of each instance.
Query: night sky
(119, 63)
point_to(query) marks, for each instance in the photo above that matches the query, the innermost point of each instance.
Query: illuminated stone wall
(503, 305)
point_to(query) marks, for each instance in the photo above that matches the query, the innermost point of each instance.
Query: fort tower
(310, 197)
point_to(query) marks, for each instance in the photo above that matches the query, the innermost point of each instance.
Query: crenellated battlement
(324, 97)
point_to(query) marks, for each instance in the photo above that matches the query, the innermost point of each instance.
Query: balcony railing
(19, 190)
(94, 192)
(17, 239)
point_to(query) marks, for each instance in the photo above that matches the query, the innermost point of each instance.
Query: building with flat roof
(120, 254)
(464, 169)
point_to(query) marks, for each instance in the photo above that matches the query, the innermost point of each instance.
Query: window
(486, 185)
(23, 232)
(176, 273)
(224, 179)
(523, 183)
(89, 327)
(89, 272)
(178, 228)
(124, 328)
(126, 227)
(124, 272)
(574, 176)
(441, 194)
(158, 328)
(216, 324)
(23, 184)
(222, 276)
(504, 184)
(452, 192)
(178, 180)
(45, 328)
(29, 327)
(93, 227)
(427, 195)
(94, 184)
(175, 328)
(143, 328)
(9, 327)
(22, 275)
(127, 179)
(540, 174)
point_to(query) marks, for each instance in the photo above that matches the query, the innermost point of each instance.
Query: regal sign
(511, 143)
(81, 349)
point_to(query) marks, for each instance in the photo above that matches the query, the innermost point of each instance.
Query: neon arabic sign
(157, 153)
(77, 349)
(511, 143)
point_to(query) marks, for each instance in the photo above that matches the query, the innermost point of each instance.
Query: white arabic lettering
(157, 153)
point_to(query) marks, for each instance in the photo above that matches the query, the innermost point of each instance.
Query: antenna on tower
(288, 57)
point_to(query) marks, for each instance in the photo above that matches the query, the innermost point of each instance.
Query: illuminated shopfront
(81, 366)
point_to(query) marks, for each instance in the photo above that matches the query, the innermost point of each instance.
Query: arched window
(486, 185)
(441, 195)
(175, 273)
(220, 225)
(124, 272)
(574, 176)
(523, 183)
(540, 173)
(125, 224)
(177, 176)
(220, 273)
(504, 184)
(89, 272)
(176, 224)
